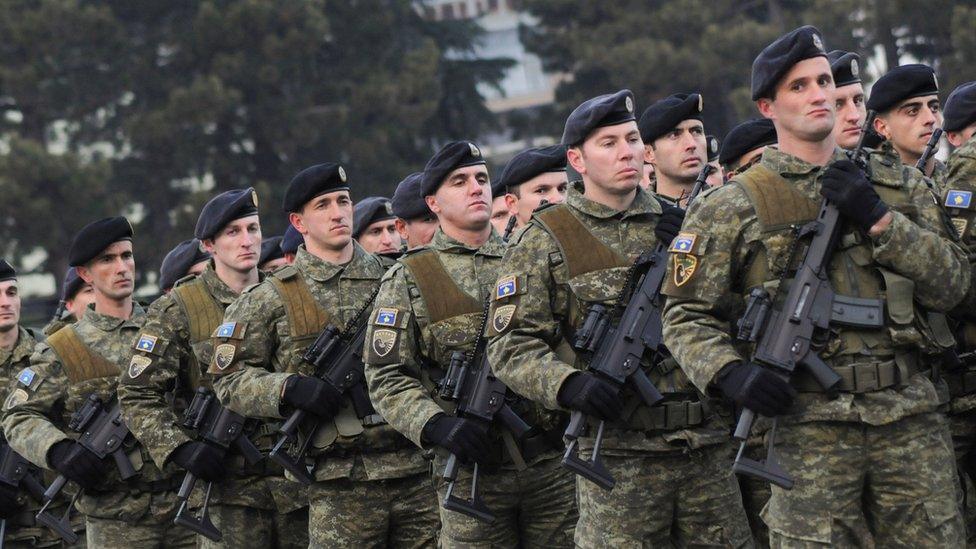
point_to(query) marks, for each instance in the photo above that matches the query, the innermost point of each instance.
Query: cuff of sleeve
(894, 236)
(704, 376)
(416, 427)
(553, 377)
(162, 453)
(277, 383)
(46, 442)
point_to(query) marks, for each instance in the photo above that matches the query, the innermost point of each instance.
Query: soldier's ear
(511, 203)
(574, 155)
(208, 245)
(84, 274)
(432, 204)
(881, 126)
(296, 221)
(765, 107)
(956, 139)
(649, 157)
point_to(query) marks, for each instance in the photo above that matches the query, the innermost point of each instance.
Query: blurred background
(147, 108)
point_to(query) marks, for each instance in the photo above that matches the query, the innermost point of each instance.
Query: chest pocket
(204, 315)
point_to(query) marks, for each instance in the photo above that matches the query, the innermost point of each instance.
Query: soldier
(436, 298)
(501, 218)
(744, 144)
(906, 99)
(76, 295)
(848, 99)
(960, 184)
(875, 460)
(674, 141)
(647, 181)
(186, 259)
(670, 461)
(717, 177)
(180, 325)
(272, 256)
(290, 242)
(17, 508)
(531, 177)
(370, 486)
(82, 359)
(415, 222)
(374, 226)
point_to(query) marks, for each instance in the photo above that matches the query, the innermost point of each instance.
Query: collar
(643, 203)
(217, 288)
(362, 265)
(441, 242)
(107, 323)
(791, 167)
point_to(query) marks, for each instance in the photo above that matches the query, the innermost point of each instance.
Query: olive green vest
(203, 314)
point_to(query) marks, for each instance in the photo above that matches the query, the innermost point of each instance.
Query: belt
(667, 416)
(865, 376)
(155, 486)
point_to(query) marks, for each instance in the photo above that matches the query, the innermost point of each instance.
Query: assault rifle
(220, 427)
(19, 474)
(103, 433)
(480, 396)
(929, 150)
(617, 351)
(786, 335)
(338, 360)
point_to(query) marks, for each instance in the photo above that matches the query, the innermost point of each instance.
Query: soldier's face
(380, 237)
(238, 245)
(851, 114)
(464, 199)
(548, 186)
(499, 214)
(78, 304)
(9, 305)
(803, 109)
(112, 272)
(910, 125)
(611, 158)
(717, 177)
(680, 154)
(326, 220)
(417, 232)
(648, 175)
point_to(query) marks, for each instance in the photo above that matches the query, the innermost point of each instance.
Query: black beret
(901, 83)
(407, 201)
(454, 155)
(368, 211)
(93, 238)
(960, 109)
(178, 262)
(779, 57)
(292, 240)
(845, 67)
(603, 110)
(6, 271)
(531, 163)
(270, 250)
(745, 137)
(72, 284)
(712, 147)
(665, 115)
(314, 181)
(222, 209)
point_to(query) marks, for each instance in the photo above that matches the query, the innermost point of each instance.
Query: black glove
(669, 224)
(844, 184)
(203, 460)
(752, 386)
(312, 395)
(77, 463)
(591, 395)
(466, 439)
(9, 506)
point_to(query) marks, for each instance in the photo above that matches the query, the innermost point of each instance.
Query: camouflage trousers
(532, 508)
(665, 500)
(755, 495)
(379, 513)
(148, 533)
(22, 530)
(963, 428)
(247, 527)
(864, 485)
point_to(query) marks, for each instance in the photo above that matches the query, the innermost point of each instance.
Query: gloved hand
(669, 224)
(205, 461)
(464, 438)
(754, 387)
(312, 395)
(77, 463)
(591, 395)
(9, 506)
(844, 184)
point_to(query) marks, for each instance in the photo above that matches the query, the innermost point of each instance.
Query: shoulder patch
(146, 343)
(17, 396)
(683, 243)
(138, 365)
(224, 355)
(226, 329)
(958, 199)
(382, 342)
(26, 377)
(684, 267)
(506, 286)
(386, 316)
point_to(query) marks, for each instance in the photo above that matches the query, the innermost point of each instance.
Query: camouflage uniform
(117, 513)
(961, 176)
(670, 461)
(22, 529)
(181, 324)
(876, 460)
(62, 320)
(370, 488)
(534, 507)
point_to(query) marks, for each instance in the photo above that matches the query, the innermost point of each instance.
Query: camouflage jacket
(708, 286)
(532, 354)
(40, 420)
(408, 353)
(250, 380)
(59, 322)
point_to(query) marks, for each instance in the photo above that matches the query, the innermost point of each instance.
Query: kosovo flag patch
(683, 243)
(958, 199)
(507, 286)
(226, 329)
(146, 343)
